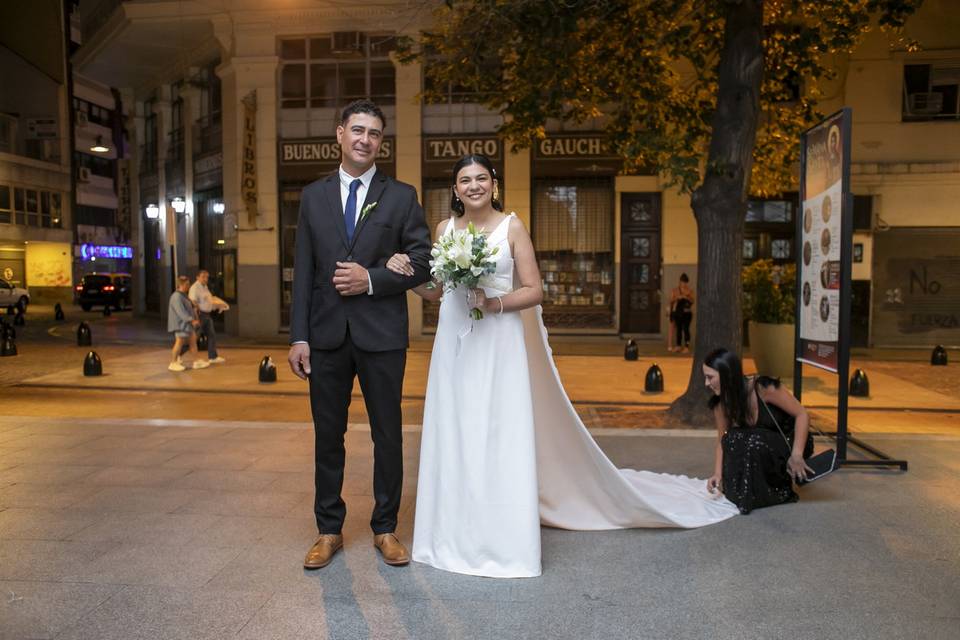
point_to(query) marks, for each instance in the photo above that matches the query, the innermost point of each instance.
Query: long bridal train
(579, 486)
(503, 449)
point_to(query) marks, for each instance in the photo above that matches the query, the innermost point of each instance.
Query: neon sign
(91, 251)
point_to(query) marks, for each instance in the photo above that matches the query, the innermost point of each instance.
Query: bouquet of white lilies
(462, 258)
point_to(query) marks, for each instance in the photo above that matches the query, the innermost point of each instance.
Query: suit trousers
(331, 383)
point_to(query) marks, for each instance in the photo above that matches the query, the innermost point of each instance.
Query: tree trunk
(719, 204)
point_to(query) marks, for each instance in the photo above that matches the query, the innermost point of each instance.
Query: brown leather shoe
(392, 550)
(323, 550)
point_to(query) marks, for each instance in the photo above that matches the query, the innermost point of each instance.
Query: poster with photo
(823, 194)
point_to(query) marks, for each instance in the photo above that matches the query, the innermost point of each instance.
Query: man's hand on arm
(299, 359)
(350, 279)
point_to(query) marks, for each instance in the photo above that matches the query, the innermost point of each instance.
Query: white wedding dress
(503, 449)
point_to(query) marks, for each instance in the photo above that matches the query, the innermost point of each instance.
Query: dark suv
(104, 289)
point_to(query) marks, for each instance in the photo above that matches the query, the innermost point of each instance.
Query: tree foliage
(646, 69)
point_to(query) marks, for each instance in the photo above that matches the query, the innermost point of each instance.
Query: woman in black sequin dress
(762, 435)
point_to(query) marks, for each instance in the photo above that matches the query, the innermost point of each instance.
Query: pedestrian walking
(206, 304)
(182, 321)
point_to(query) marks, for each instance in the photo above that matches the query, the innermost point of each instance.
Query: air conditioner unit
(346, 43)
(927, 104)
(83, 174)
(81, 119)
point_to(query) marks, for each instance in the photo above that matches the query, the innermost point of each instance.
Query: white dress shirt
(365, 180)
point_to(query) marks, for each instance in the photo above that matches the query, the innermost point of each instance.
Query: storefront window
(573, 233)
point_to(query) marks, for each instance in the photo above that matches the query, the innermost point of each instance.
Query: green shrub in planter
(769, 292)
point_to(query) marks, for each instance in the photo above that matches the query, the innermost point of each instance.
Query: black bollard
(7, 330)
(860, 384)
(654, 380)
(19, 320)
(268, 370)
(106, 310)
(84, 337)
(631, 351)
(939, 356)
(58, 313)
(202, 342)
(8, 347)
(92, 365)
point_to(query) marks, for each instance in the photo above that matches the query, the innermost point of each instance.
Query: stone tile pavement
(152, 529)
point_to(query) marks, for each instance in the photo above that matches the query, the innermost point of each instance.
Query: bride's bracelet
(500, 300)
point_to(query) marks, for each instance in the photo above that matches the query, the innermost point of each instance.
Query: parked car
(102, 289)
(12, 297)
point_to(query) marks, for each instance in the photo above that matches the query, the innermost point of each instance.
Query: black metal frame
(841, 435)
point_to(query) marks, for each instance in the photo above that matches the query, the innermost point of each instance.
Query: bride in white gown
(503, 450)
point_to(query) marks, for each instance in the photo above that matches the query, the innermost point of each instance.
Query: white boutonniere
(367, 209)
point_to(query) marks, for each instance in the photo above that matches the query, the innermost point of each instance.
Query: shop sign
(324, 151)
(573, 146)
(452, 149)
(116, 252)
(248, 174)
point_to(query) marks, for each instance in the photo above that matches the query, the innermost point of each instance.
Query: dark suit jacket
(378, 322)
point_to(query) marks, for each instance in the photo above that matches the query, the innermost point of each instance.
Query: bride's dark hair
(456, 204)
(733, 390)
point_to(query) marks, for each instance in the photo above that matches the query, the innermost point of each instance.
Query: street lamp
(219, 208)
(179, 204)
(152, 211)
(99, 147)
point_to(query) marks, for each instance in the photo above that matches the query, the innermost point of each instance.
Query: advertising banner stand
(824, 258)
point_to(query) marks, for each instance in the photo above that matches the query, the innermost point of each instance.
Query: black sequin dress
(755, 459)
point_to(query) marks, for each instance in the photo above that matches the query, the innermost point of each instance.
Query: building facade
(36, 217)
(235, 112)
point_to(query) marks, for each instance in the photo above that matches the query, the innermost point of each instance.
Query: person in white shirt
(200, 295)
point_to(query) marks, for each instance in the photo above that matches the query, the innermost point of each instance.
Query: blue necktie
(350, 211)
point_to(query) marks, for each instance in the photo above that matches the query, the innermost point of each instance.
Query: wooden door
(640, 262)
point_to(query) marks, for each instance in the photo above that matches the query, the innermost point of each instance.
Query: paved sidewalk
(136, 529)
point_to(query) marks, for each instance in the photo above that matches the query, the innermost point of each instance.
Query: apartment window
(8, 132)
(148, 150)
(30, 207)
(94, 112)
(931, 91)
(19, 206)
(33, 208)
(5, 209)
(98, 166)
(332, 70)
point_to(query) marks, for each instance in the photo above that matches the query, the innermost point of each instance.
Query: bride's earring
(455, 196)
(496, 191)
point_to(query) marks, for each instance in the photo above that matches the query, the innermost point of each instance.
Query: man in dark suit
(349, 318)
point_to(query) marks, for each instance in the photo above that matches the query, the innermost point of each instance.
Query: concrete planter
(771, 346)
